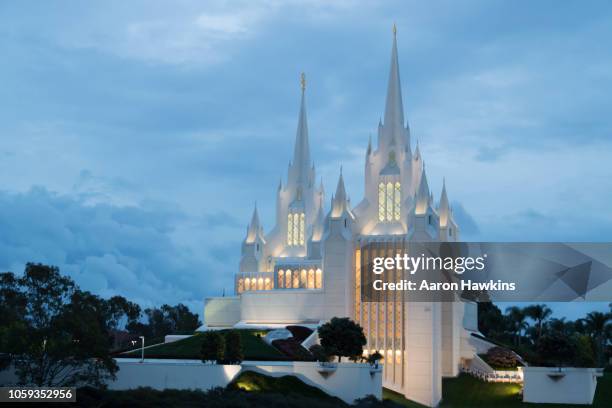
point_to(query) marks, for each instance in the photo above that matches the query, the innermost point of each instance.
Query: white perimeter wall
(349, 382)
(576, 387)
(292, 305)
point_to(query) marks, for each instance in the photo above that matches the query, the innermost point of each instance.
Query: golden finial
(394, 29)
(303, 81)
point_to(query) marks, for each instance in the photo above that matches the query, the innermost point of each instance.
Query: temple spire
(394, 110)
(339, 201)
(301, 153)
(444, 209)
(422, 195)
(254, 229)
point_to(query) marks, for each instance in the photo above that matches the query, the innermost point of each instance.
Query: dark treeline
(55, 334)
(540, 338)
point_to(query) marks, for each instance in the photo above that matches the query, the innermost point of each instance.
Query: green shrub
(499, 357)
(233, 348)
(213, 347)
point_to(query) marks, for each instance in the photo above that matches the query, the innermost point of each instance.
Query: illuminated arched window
(240, 285)
(268, 284)
(296, 226)
(247, 284)
(311, 279)
(296, 279)
(288, 279)
(389, 201)
(319, 279)
(303, 278)
(260, 284)
(281, 278)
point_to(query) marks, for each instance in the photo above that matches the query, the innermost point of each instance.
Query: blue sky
(136, 136)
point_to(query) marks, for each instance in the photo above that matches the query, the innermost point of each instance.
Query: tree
(58, 335)
(556, 350)
(491, 321)
(342, 337)
(596, 324)
(319, 353)
(517, 319)
(585, 357)
(374, 358)
(165, 320)
(233, 347)
(213, 347)
(539, 314)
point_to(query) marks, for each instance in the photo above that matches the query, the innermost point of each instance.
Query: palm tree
(539, 314)
(517, 319)
(596, 324)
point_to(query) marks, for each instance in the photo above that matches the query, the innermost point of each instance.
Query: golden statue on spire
(303, 81)
(394, 29)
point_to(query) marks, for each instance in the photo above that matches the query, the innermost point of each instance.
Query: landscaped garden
(253, 348)
(468, 392)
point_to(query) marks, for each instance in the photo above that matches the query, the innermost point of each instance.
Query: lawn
(467, 392)
(254, 348)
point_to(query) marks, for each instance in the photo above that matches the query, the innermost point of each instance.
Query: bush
(213, 347)
(342, 337)
(374, 358)
(293, 349)
(233, 348)
(300, 333)
(555, 350)
(585, 354)
(319, 353)
(499, 357)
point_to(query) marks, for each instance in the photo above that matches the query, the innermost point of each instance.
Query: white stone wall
(222, 311)
(570, 386)
(349, 382)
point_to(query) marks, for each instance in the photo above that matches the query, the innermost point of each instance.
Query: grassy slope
(254, 382)
(468, 392)
(254, 348)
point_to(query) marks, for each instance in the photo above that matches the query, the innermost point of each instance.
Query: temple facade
(307, 268)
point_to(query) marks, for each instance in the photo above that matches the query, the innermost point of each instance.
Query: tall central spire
(301, 154)
(394, 110)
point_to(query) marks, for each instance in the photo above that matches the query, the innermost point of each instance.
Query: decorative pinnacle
(303, 81)
(394, 29)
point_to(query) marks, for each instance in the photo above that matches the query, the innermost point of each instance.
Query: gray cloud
(127, 250)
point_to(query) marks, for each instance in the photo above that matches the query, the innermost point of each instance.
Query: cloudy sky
(136, 136)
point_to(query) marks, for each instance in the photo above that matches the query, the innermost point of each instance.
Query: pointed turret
(300, 166)
(444, 208)
(319, 224)
(394, 110)
(422, 195)
(340, 202)
(255, 229)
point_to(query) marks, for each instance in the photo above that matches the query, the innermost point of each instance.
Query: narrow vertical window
(381, 202)
(296, 226)
(288, 279)
(290, 229)
(311, 279)
(301, 231)
(260, 284)
(281, 278)
(303, 283)
(389, 199)
(296, 229)
(319, 279)
(247, 284)
(397, 201)
(240, 285)
(268, 284)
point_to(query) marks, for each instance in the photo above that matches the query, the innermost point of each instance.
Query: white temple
(307, 269)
